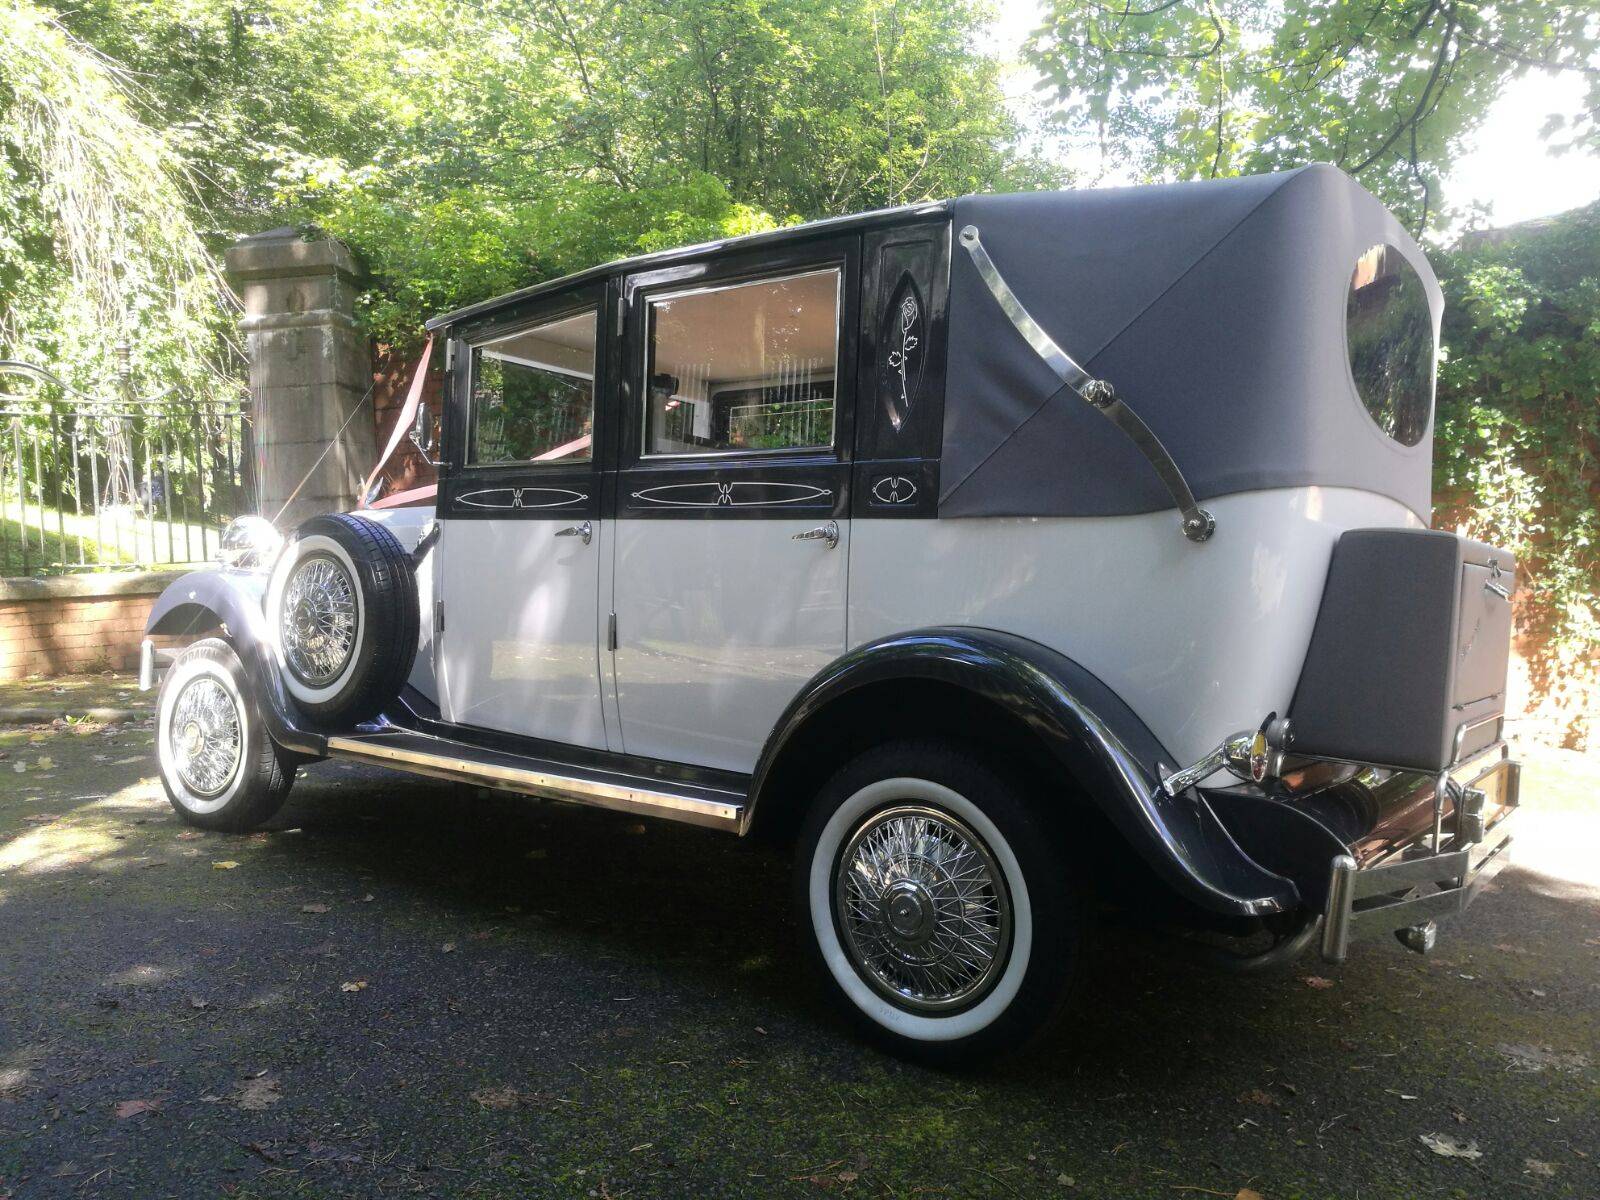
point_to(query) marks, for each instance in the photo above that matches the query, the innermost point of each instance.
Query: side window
(533, 394)
(745, 367)
(1389, 331)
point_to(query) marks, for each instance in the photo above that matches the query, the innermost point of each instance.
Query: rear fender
(1097, 740)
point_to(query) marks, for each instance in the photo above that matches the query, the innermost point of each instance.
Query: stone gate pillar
(309, 369)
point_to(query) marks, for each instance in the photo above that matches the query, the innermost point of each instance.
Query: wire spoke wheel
(922, 908)
(206, 737)
(319, 616)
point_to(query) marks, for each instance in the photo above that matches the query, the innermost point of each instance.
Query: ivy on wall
(1517, 450)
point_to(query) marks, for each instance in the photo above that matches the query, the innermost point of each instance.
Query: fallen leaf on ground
(189, 835)
(313, 908)
(1543, 1169)
(199, 1003)
(134, 1108)
(1537, 1058)
(1449, 1147)
(448, 947)
(498, 1098)
(1317, 981)
(45, 762)
(226, 864)
(1257, 1096)
(355, 985)
(1249, 1194)
(368, 898)
(258, 1093)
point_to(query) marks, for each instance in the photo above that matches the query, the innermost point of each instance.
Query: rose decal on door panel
(900, 345)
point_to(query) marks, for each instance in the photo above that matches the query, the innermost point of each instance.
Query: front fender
(1099, 742)
(202, 600)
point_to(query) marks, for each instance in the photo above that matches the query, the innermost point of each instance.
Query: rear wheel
(937, 906)
(220, 768)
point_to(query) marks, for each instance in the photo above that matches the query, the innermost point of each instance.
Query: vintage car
(1006, 560)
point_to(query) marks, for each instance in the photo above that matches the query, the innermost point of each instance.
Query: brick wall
(391, 374)
(74, 622)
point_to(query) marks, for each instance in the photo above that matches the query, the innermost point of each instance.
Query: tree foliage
(97, 245)
(1386, 89)
(481, 146)
(1517, 457)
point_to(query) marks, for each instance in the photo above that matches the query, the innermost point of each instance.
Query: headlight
(249, 543)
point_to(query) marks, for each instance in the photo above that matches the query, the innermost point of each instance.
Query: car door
(732, 530)
(522, 541)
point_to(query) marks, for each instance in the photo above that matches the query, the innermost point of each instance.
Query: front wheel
(220, 767)
(937, 904)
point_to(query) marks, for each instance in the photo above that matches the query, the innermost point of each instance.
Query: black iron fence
(91, 484)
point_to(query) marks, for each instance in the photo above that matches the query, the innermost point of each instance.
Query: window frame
(717, 266)
(560, 310)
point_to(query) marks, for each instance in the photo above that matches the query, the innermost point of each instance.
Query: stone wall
(68, 623)
(310, 373)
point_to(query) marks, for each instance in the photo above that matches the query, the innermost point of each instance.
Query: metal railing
(88, 484)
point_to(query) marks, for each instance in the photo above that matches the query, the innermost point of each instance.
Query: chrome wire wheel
(922, 909)
(318, 619)
(206, 737)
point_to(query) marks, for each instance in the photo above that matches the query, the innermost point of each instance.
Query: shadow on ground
(409, 989)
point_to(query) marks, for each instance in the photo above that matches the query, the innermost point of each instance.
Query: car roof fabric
(1217, 311)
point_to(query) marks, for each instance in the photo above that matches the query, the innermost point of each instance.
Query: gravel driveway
(405, 988)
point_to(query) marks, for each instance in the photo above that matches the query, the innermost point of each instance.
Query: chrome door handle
(822, 533)
(585, 531)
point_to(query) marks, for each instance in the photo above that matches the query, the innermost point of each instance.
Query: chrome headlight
(249, 543)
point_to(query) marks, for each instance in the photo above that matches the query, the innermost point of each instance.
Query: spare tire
(342, 614)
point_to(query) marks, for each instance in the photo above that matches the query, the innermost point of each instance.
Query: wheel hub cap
(206, 740)
(923, 909)
(318, 623)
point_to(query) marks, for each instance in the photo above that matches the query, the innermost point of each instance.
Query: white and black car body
(1122, 496)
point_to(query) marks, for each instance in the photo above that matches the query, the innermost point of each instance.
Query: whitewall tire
(342, 615)
(936, 905)
(219, 766)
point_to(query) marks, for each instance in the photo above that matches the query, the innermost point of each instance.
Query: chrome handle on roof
(585, 531)
(1198, 524)
(822, 533)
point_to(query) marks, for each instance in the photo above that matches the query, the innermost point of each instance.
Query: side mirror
(422, 436)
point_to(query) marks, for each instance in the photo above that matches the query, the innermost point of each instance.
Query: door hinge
(611, 632)
(438, 616)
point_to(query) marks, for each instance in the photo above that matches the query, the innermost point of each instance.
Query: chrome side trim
(1198, 523)
(450, 762)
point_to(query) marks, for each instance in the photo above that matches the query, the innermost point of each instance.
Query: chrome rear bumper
(1433, 876)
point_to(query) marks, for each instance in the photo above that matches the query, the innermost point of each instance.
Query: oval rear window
(1389, 333)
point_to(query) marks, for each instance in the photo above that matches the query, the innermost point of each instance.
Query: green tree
(1192, 89)
(97, 244)
(483, 146)
(1517, 457)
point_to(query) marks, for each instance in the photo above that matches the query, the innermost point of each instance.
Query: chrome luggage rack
(1434, 875)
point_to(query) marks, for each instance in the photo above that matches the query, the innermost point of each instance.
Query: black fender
(201, 600)
(1099, 742)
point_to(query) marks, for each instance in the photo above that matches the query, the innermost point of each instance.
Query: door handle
(585, 531)
(822, 533)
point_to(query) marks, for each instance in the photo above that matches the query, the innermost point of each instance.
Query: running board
(440, 758)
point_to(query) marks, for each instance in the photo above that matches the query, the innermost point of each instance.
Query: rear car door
(522, 540)
(731, 497)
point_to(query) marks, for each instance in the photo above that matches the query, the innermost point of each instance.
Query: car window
(533, 394)
(1389, 331)
(744, 367)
